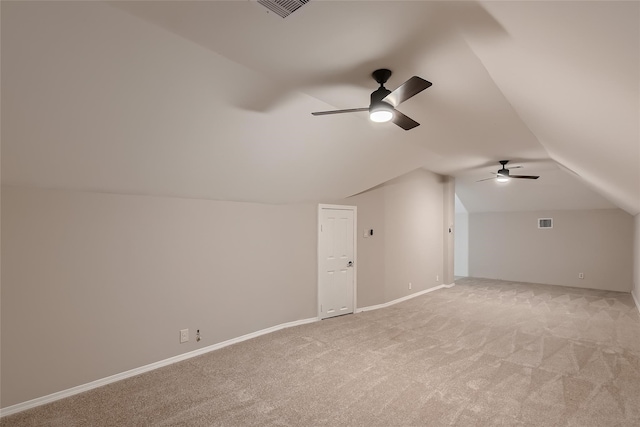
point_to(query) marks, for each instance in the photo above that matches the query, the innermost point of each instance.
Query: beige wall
(407, 246)
(461, 233)
(371, 250)
(97, 284)
(636, 258)
(598, 243)
(449, 217)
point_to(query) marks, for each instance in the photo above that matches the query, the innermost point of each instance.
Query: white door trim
(355, 251)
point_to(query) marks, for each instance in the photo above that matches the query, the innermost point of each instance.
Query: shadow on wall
(461, 239)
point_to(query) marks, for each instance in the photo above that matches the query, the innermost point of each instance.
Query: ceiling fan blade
(486, 179)
(403, 121)
(524, 176)
(411, 87)
(350, 110)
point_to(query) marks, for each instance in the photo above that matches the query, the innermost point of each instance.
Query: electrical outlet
(580, 275)
(184, 335)
(409, 285)
(198, 335)
(437, 277)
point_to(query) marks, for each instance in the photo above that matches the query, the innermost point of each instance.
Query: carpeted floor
(481, 353)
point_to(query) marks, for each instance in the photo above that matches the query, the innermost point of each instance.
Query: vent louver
(283, 8)
(545, 222)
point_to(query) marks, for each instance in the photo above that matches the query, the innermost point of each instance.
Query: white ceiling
(213, 99)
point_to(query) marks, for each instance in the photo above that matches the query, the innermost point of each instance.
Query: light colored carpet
(481, 353)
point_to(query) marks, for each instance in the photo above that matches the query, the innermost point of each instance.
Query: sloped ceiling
(213, 99)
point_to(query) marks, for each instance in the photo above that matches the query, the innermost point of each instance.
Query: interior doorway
(337, 266)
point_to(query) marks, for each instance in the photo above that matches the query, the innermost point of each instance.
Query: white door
(336, 260)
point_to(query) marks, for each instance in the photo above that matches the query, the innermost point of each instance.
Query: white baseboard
(635, 299)
(19, 407)
(408, 297)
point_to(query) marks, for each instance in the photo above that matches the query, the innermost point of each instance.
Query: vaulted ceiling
(213, 99)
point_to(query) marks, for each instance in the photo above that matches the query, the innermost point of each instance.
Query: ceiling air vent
(545, 222)
(283, 8)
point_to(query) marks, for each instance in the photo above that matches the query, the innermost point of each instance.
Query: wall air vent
(283, 8)
(545, 222)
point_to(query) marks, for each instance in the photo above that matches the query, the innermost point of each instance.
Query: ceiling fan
(504, 176)
(383, 101)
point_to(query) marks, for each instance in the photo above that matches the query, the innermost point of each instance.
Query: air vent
(283, 8)
(545, 222)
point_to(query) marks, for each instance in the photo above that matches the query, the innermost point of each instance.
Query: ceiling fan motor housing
(377, 97)
(379, 110)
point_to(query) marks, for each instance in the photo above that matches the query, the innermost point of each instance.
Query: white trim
(322, 206)
(339, 207)
(408, 297)
(635, 299)
(19, 407)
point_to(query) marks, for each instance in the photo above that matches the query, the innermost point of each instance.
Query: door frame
(355, 250)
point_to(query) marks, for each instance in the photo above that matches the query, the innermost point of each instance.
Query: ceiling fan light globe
(380, 111)
(380, 116)
(502, 178)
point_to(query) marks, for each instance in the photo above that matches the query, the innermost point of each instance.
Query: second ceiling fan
(384, 102)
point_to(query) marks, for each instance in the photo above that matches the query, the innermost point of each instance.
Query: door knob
(350, 264)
